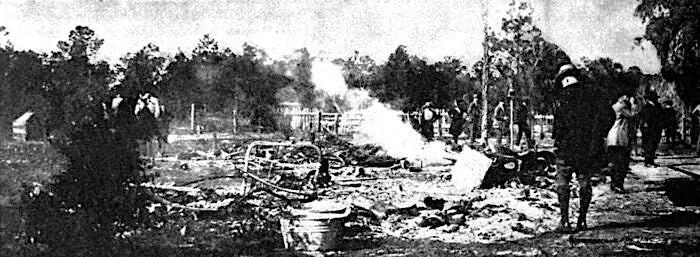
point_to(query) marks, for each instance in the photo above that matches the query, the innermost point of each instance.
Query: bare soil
(642, 222)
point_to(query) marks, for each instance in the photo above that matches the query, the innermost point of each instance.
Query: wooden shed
(28, 127)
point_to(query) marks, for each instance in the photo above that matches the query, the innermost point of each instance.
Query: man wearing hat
(578, 139)
(500, 120)
(428, 117)
(473, 112)
(652, 125)
(522, 115)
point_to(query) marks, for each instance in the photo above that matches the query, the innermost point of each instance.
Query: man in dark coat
(578, 139)
(652, 124)
(474, 111)
(670, 126)
(521, 120)
(457, 120)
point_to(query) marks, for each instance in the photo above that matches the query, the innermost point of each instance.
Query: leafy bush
(97, 197)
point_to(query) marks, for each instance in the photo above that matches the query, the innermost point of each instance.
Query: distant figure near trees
(670, 124)
(651, 122)
(522, 117)
(473, 111)
(457, 120)
(500, 122)
(145, 117)
(428, 118)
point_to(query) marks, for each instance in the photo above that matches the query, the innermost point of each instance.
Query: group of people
(500, 125)
(143, 115)
(466, 117)
(585, 142)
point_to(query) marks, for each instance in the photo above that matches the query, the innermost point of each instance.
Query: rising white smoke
(380, 125)
(328, 77)
(384, 127)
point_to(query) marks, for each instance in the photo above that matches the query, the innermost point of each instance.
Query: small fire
(384, 127)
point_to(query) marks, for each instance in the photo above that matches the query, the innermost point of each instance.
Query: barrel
(317, 228)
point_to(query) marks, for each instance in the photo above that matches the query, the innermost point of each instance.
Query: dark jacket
(652, 118)
(578, 129)
(521, 114)
(457, 121)
(473, 111)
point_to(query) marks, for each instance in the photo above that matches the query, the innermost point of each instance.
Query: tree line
(60, 85)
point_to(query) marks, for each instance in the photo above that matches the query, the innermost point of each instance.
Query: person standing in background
(428, 117)
(500, 122)
(473, 113)
(521, 120)
(457, 120)
(617, 142)
(670, 125)
(651, 122)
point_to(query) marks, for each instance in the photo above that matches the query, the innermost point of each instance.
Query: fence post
(683, 124)
(192, 118)
(439, 134)
(337, 123)
(235, 120)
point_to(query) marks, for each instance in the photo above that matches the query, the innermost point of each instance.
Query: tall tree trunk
(485, 75)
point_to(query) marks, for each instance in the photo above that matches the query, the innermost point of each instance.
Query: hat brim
(571, 72)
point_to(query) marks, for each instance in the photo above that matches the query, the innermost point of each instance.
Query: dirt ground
(512, 221)
(642, 222)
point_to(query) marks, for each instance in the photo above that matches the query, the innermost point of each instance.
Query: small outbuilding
(28, 127)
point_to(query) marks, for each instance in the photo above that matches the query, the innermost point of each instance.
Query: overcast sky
(328, 28)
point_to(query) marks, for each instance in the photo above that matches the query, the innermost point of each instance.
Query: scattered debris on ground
(387, 196)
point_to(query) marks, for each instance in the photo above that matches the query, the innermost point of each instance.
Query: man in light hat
(499, 122)
(428, 117)
(578, 139)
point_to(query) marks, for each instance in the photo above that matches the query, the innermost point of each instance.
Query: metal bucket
(313, 229)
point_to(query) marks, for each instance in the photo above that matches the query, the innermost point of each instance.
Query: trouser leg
(654, 145)
(563, 188)
(648, 146)
(519, 135)
(586, 193)
(499, 135)
(528, 135)
(619, 166)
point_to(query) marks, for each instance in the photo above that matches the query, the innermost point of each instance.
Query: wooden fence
(347, 123)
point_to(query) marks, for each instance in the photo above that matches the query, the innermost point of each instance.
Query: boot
(563, 196)
(581, 224)
(586, 193)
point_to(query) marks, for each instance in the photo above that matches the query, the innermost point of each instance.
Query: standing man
(578, 139)
(617, 142)
(428, 117)
(670, 125)
(651, 127)
(473, 111)
(457, 120)
(500, 121)
(521, 120)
